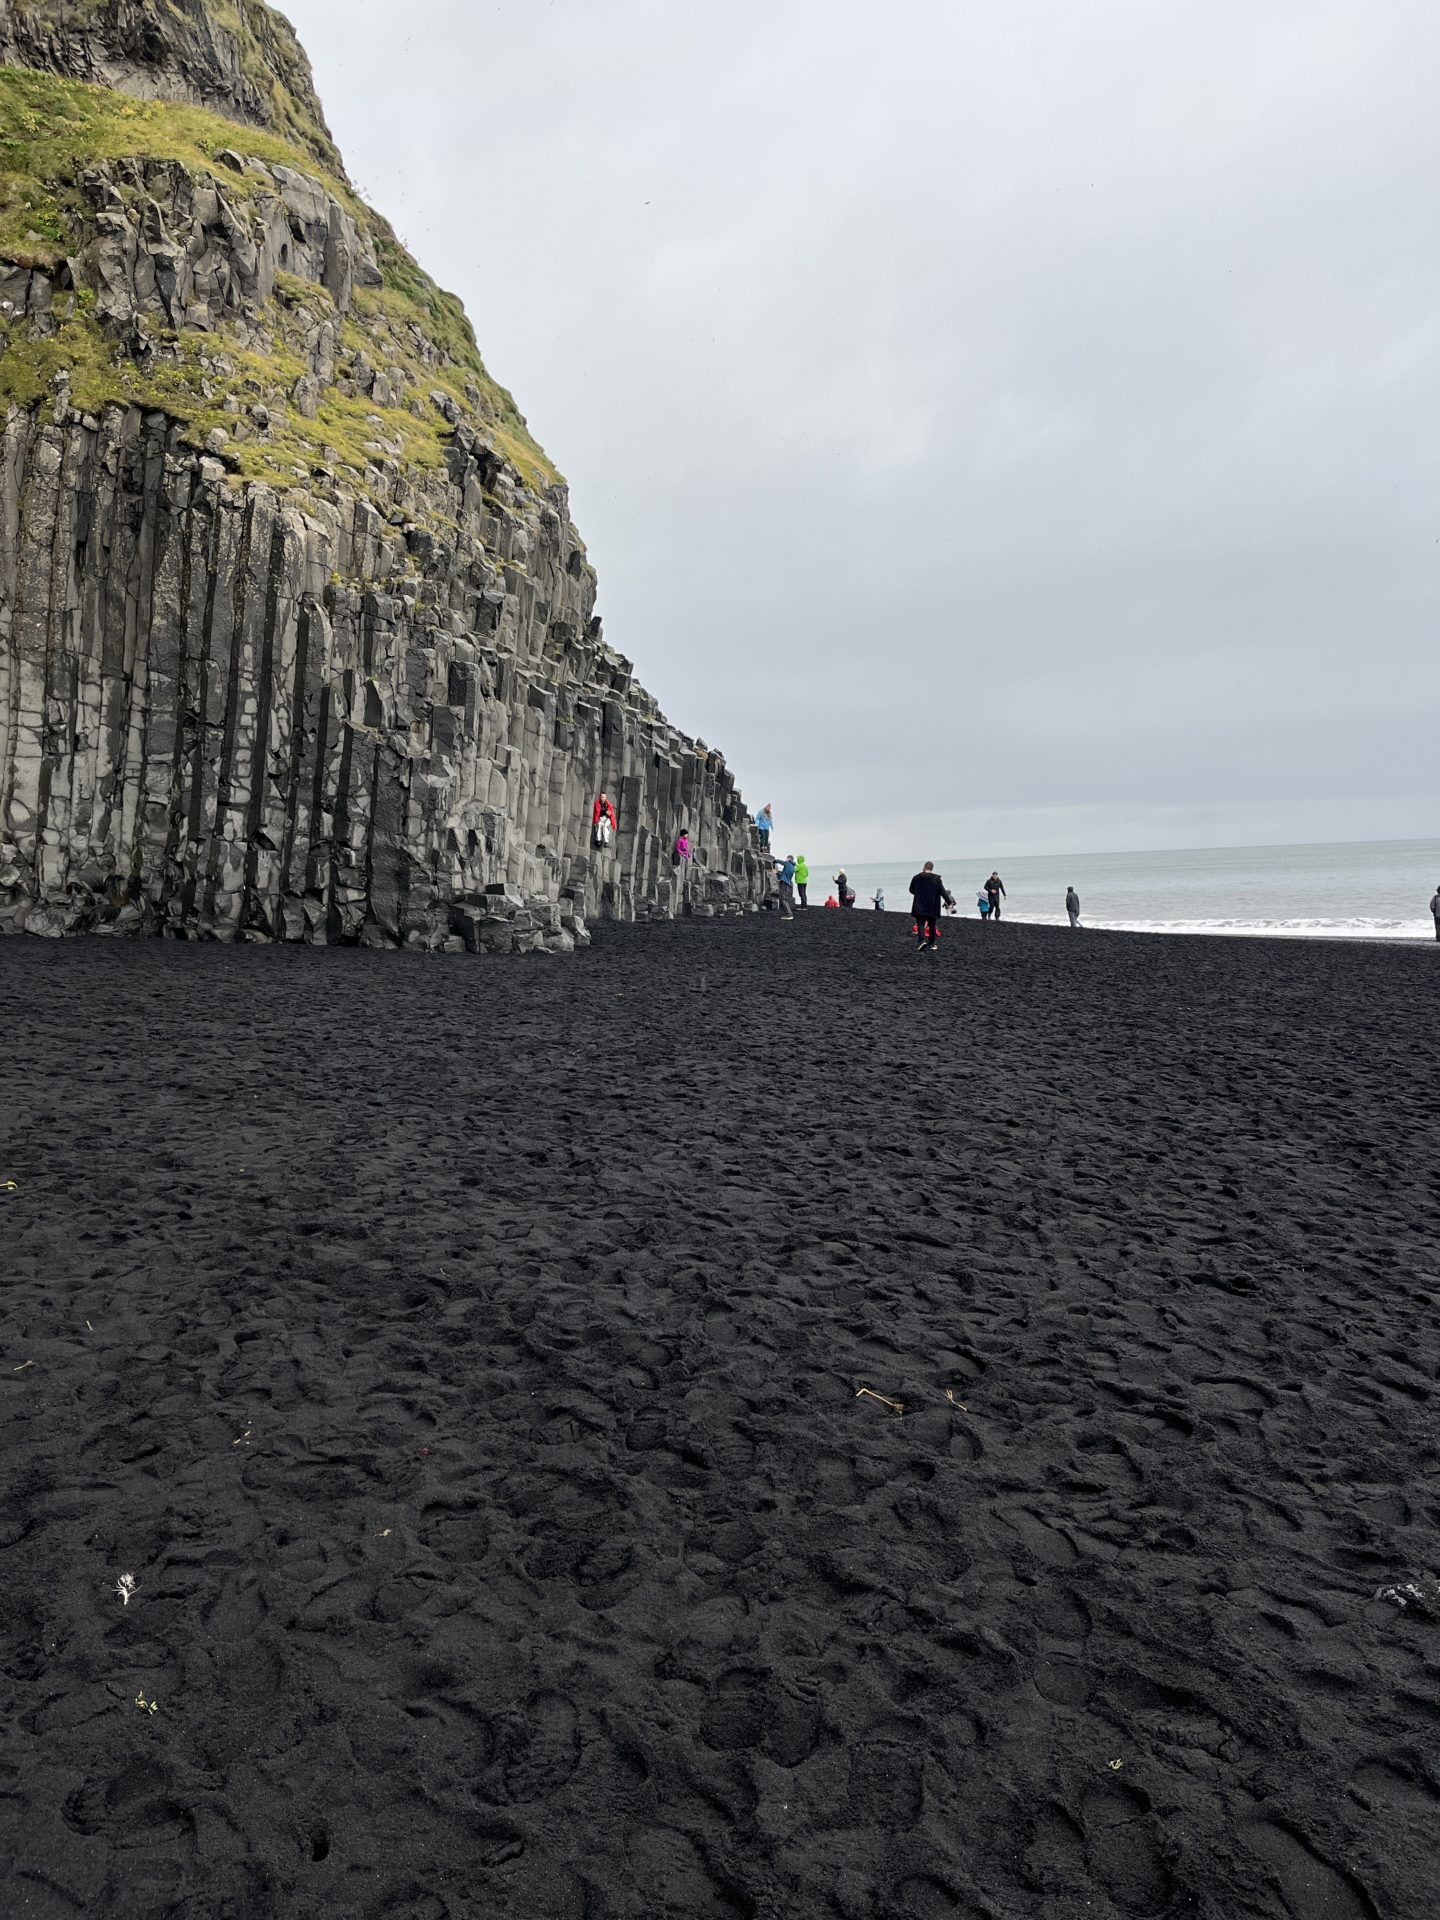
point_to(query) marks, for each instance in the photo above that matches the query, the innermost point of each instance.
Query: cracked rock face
(254, 686)
(182, 253)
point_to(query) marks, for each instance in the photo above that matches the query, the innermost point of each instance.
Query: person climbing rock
(927, 891)
(603, 820)
(764, 826)
(995, 888)
(786, 878)
(682, 845)
(1072, 906)
(802, 878)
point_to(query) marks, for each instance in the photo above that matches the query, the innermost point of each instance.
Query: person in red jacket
(604, 822)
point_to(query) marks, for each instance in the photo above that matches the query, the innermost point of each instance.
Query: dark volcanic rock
(297, 639)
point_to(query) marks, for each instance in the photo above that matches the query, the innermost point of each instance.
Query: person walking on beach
(879, 901)
(802, 878)
(842, 887)
(995, 887)
(927, 891)
(786, 878)
(982, 900)
(603, 820)
(764, 826)
(1072, 906)
(1435, 909)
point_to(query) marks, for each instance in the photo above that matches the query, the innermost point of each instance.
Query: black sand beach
(463, 1357)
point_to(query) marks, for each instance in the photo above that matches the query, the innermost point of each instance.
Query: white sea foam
(1376, 891)
(1355, 929)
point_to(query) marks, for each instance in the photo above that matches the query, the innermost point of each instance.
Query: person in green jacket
(802, 879)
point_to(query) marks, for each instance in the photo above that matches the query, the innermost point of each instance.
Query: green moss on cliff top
(240, 46)
(382, 318)
(52, 130)
(190, 376)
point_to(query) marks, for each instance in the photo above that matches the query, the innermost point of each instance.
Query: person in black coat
(927, 891)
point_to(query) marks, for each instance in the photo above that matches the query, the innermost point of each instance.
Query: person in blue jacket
(786, 878)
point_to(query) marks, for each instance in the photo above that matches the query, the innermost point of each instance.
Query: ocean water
(1377, 890)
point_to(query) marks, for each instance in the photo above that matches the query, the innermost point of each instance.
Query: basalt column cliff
(296, 637)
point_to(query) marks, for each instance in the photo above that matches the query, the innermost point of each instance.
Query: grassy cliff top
(239, 56)
(52, 130)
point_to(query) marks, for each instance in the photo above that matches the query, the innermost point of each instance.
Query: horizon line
(1246, 846)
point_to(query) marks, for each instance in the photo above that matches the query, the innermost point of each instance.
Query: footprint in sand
(1400, 1780)
(1122, 1849)
(745, 1710)
(1311, 1888)
(539, 1750)
(677, 1880)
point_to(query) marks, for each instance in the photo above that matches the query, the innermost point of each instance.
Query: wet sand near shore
(465, 1356)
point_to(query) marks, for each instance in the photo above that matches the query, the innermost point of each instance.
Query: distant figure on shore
(927, 891)
(786, 878)
(1435, 909)
(682, 845)
(982, 900)
(604, 822)
(831, 901)
(995, 887)
(1072, 906)
(802, 878)
(842, 887)
(879, 901)
(764, 826)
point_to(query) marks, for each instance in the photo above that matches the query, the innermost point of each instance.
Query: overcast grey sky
(999, 425)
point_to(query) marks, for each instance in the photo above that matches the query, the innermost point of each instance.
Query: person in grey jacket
(1072, 906)
(1435, 909)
